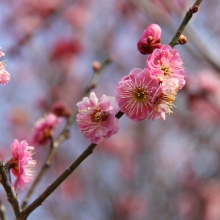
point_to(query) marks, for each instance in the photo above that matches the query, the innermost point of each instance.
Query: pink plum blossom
(22, 162)
(150, 39)
(166, 63)
(43, 129)
(4, 75)
(134, 93)
(1, 53)
(163, 98)
(96, 119)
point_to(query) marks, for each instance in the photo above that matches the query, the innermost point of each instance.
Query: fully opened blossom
(43, 129)
(22, 163)
(96, 119)
(4, 75)
(166, 63)
(163, 98)
(150, 39)
(134, 93)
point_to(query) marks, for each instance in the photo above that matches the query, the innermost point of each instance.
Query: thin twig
(204, 51)
(185, 21)
(64, 133)
(58, 181)
(62, 177)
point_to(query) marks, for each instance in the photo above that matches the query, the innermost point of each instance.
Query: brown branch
(11, 195)
(63, 176)
(58, 181)
(64, 133)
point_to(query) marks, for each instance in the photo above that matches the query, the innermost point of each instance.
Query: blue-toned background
(149, 170)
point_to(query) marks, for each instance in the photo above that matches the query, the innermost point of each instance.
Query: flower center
(165, 101)
(140, 94)
(166, 70)
(99, 115)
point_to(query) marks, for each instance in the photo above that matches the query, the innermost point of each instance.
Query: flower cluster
(143, 93)
(150, 93)
(22, 163)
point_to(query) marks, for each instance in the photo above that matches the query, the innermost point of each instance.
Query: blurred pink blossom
(65, 48)
(211, 194)
(1, 53)
(43, 129)
(96, 119)
(134, 93)
(4, 75)
(204, 109)
(130, 205)
(166, 63)
(164, 98)
(150, 39)
(209, 81)
(77, 15)
(22, 163)
(60, 109)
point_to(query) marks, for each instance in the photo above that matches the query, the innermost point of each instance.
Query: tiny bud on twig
(182, 39)
(96, 66)
(194, 9)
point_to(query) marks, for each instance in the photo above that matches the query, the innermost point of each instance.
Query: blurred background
(151, 170)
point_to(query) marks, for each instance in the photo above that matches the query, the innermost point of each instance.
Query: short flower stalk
(21, 163)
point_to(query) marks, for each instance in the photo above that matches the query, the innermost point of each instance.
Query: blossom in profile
(166, 63)
(4, 75)
(163, 99)
(22, 163)
(43, 129)
(150, 39)
(96, 119)
(134, 93)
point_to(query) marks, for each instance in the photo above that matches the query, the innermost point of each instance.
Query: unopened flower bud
(96, 66)
(182, 39)
(150, 39)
